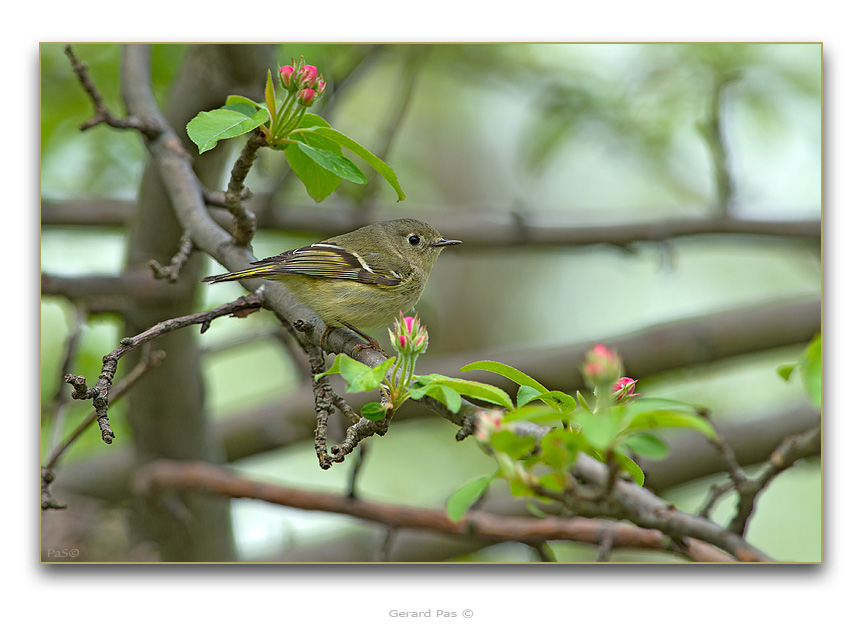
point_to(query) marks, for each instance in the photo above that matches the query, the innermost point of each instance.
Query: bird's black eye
(414, 240)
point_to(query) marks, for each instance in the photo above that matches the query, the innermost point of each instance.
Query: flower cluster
(303, 81)
(408, 336)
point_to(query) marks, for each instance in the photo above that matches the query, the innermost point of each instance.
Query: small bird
(361, 279)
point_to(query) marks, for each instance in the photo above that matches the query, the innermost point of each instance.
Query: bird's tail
(264, 271)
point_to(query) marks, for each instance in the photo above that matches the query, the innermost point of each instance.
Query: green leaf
(553, 482)
(535, 414)
(785, 370)
(241, 107)
(629, 466)
(359, 377)
(646, 445)
(507, 371)
(559, 449)
(520, 489)
(335, 163)
(532, 508)
(441, 393)
(669, 419)
(471, 389)
(599, 429)
(810, 371)
(233, 100)
(376, 162)
(512, 444)
(209, 127)
(373, 411)
(558, 400)
(583, 402)
(319, 182)
(526, 395)
(269, 96)
(466, 496)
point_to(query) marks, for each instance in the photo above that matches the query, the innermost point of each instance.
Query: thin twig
(713, 131)
(785, 455)
(61, 399)
(149, 128)
(171, 272)
(395, 119)
(240, 307)
(117, 392)
(546, 555)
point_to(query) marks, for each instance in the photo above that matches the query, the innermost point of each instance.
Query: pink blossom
(307, 76)
(602, 365)
(306, 97)
(287, 72)
(624, 389)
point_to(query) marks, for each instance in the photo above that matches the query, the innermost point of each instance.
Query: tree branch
(103, 115)
(244, 222)
(240, 307)
(488, 229)
(791, 449)
(201, 477)
(171, 272)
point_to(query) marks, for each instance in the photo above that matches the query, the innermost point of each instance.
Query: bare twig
(61, 400)
(48, 501)
(171, 272)
(791, 449)
(99, 394)
(395, 118)
(147, 127)
(713, 131)
(117, 391)
(48, 475)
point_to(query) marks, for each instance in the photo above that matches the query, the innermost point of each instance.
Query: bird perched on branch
(361, 279)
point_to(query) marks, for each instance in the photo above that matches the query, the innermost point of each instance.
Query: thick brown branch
(202, 477)
(484, 230)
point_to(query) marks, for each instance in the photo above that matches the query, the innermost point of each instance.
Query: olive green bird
(361, 279)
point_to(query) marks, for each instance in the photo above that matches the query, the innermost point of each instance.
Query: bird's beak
(445, 242)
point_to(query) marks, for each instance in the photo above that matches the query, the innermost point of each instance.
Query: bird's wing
(329, 260)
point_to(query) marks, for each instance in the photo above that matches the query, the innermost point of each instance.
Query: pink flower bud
(402, 341)
(487, 423)
(408, 324)
(602, 366)
(287, 72)
(624, 390)
(306, 97)
(307, 77)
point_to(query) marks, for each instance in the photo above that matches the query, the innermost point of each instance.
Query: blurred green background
(586, 134)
